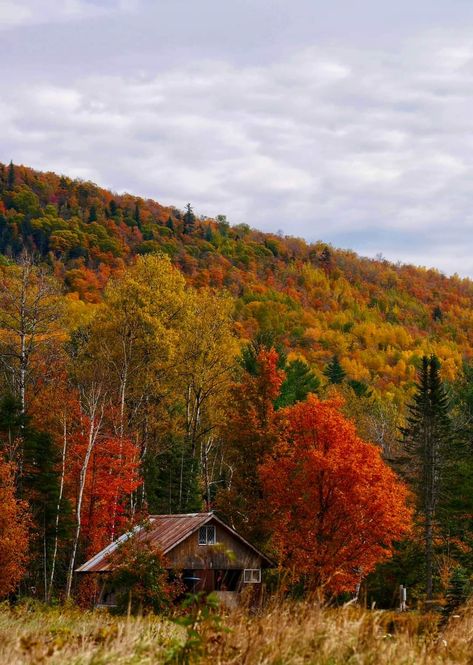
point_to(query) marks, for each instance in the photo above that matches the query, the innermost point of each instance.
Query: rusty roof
(164, 532)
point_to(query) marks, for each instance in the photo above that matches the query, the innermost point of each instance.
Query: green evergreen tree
(113, 208)
(208, 233)
(299, 382)
(93, 214)
(41, 487)
(170, 224)
(171, 479)
(11, 176)
(137, 214)
(334, 371)
(459, 505)
(360, 388)
(427, 439)
(189, 219)
(459, 589)
(264, 340)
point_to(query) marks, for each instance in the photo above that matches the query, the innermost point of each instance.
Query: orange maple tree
(336, 508)
(14, 533)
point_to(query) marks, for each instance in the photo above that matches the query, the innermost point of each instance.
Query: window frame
(252, 573)
(206, 541)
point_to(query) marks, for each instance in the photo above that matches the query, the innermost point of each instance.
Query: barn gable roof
(165, 532)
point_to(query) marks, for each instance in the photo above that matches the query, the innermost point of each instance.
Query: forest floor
(285, 634)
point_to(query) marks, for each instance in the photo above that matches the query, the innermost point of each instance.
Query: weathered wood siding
(227, 553)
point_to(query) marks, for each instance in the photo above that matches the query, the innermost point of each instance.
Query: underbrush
(284, 633)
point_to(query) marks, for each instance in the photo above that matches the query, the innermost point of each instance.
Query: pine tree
(459, 589)
(11, 176)
(299, 382)
(437, 314)
(41, 489)
(171, 479)
(427, 440)
(208, 233)
(334, 371)
(263, 341)
(113, 207)
(93, 214)
(360, 388)
(137, 214)
(459, 504)
(189, 219)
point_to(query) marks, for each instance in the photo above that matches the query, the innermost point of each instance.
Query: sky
(349, 121)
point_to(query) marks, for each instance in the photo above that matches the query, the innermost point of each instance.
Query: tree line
(148, 402)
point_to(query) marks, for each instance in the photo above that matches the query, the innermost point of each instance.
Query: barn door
(207, 582)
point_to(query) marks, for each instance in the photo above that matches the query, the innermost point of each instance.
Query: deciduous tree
(14, 532)
(335, 508)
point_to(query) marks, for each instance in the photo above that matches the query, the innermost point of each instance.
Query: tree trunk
(58, 509)
(95, 422)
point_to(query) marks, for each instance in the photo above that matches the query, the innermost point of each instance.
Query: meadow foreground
(288, 633)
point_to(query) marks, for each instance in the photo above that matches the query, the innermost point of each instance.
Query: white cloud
(324, 143)
(19, 13)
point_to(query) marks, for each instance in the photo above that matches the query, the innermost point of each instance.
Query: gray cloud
(366, 146)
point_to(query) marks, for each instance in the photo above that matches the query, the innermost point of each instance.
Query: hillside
(156, 362)
(319, 301)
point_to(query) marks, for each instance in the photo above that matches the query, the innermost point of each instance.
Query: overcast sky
(348, 121)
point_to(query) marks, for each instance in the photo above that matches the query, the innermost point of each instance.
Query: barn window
(252, 575)
(207, 535)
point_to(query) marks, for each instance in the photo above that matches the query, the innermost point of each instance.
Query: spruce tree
(263, 341)
(299, 382)
(334, 371)
(41, 488)
(113, 207)
(137, 215)
(360, 388)
(92, 214)
(427, 439)
(459, 506)
(189, 219)
(11, 176)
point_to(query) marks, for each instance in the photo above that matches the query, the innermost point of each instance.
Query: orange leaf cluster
(14, 528)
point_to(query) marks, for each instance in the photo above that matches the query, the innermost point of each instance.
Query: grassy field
(289, 633)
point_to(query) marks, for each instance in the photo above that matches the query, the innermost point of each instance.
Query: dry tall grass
(287, 633)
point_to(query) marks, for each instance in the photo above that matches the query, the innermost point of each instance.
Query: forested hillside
(319, 301)
(157, 361)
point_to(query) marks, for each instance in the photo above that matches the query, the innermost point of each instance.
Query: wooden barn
(209, 554)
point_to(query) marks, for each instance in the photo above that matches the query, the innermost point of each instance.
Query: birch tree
(30, 313)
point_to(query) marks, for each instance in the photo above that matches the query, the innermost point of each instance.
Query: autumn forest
(154, 360)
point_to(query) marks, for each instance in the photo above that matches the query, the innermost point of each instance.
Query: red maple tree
(336, 508)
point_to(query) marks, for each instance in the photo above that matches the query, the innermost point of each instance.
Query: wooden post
(402, 598)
